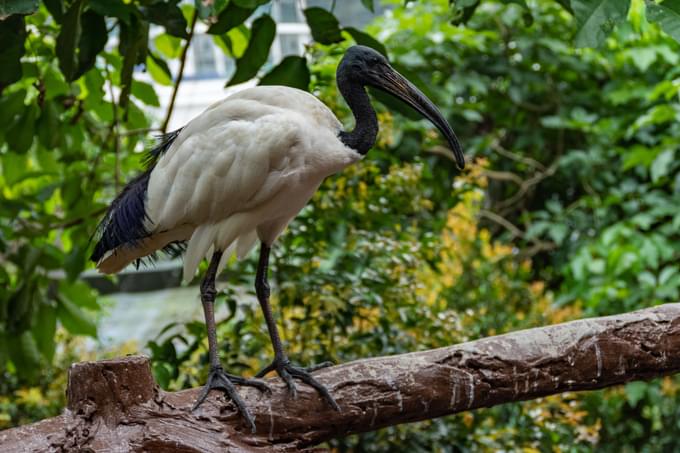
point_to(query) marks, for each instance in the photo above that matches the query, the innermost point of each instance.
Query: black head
(363, 64)
(366, 67)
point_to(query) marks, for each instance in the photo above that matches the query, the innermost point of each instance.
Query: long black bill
(397, 85)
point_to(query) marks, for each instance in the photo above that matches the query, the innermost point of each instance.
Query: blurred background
(569, 118)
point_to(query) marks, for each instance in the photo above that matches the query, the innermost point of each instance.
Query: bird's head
(367, 67)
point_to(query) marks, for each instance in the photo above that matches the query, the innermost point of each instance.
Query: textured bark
(115, 406)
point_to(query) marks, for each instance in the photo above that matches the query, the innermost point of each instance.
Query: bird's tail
(172, 242)
(122, 235)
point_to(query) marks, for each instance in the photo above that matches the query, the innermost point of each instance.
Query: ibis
(237, 174)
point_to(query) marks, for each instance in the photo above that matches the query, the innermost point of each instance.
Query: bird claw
(288, 372)
(219, 379)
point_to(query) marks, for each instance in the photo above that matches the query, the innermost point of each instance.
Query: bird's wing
(222, 170)
(217, 176)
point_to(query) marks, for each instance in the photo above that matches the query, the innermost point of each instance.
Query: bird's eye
(356, 67)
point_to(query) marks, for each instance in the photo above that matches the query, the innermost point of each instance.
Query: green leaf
(667, 273)
(56, 9)
(169, 16)
(74, 263)
(145, 93)
(324, 26)
(250, 3)
(236, 40)
(463, 10)
(11, 105)
(232, 16)
(662, 164)
(74, 319)
(92, 40)
(162, 374)
(81, 38)
(71, 190)
(159, 70)
(168, 45)
(526, 15)
(55, 84)
(292, 72)
(365, 39)
(566, 5)
(117, 9)
(23, 302)
(643, 57)
(558, 232)
(596, 19)
(20, 134)
(69, 36)
(94, 89)
(596, 266)
(79, 293)
(667, 15)
(635, 391)
(10, 7)
(49, 131)
(133, 47)
(369, 5)
(44, 329)
(224, 43)
(14, 167)
(261, 38)
(4, 349)
(12, 37)
(24, 353)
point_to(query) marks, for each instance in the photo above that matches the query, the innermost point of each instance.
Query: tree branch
(116, 406)
(495, 145)
(180, 74)
(537, 245)
(526, 185)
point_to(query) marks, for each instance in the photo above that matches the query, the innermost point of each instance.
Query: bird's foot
(288, 372)
(219, 379)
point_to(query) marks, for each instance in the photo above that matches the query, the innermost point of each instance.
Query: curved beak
(397, 85)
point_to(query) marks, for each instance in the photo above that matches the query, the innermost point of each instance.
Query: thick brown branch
(116, 406)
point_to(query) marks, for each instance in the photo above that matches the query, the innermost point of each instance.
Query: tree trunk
(115, 405)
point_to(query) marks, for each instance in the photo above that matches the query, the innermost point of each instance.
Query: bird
(237, 174)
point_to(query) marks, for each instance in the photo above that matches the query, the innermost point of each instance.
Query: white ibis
(240, 172)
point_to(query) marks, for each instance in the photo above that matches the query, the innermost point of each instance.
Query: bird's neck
(362, 138)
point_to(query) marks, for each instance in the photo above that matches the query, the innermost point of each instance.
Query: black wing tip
(162, 145)
(124, 222)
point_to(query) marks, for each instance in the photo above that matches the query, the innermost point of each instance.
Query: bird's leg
(218, 378)
(281, 364)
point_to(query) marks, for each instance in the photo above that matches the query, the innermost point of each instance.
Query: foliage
(568, 208)
(596, 20)
(581, 144)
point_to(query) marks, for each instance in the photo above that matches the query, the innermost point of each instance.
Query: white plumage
(239, 171)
